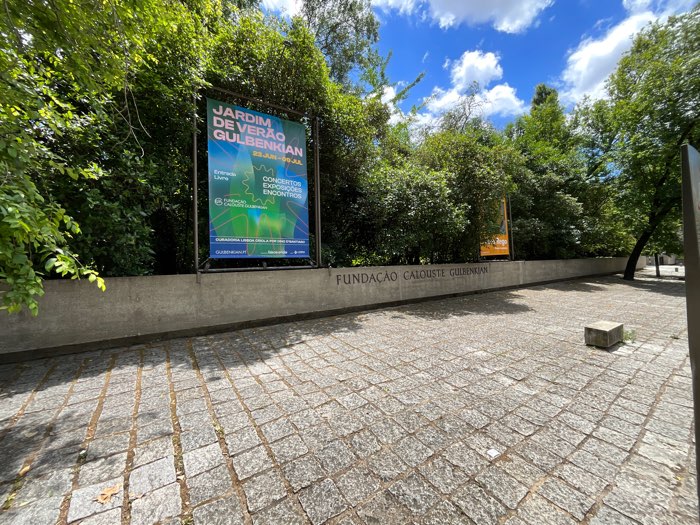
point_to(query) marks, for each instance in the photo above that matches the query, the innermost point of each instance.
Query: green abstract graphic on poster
(258, 185)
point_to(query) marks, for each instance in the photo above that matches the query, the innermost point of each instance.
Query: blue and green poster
(258, 187)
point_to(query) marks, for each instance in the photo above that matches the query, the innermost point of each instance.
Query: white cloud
(284, 7)
(594, 59)
(635, 6)
(388, 95)
(405, 7)
(503, 101)
(509, 16)
(474, 66)
(440, 100)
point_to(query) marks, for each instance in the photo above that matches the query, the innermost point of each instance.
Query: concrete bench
(603, 334)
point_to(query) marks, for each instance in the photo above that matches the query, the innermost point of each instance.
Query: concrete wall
(142, 308)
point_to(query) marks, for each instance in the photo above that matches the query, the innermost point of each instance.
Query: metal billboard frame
(317, 188)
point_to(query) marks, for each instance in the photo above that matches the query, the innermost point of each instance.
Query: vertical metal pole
(510, 230)
(195, 213)
(317, 192)
(690, 159)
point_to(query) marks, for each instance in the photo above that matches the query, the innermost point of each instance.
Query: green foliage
(345, 32)
(33, 230)
(62, 129)
(546, 215)
(410, 215)
(482, 167)
(653, 109)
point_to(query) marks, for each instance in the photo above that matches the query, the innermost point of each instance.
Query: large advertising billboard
(499, 245)
(258, 185)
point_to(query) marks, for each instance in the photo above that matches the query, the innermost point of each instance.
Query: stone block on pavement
(603, 334)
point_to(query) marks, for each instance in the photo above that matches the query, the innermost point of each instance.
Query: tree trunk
(656, 263)
(636, 252)
(654, 220)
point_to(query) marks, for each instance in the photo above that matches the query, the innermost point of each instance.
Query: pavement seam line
(637, 444)
(177, 444)
(89, 435)
(220, 437)
(131, 450)
(18, 482)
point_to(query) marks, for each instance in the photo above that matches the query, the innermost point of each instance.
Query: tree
(345, 31)
(481, 167)
(543, 94)
(547, 214)
(466, 113)
(655, 108)
(410, 215)
(60, 63)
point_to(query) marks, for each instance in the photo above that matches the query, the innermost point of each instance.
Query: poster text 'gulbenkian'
(247, 129)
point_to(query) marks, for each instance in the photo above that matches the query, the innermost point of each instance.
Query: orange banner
(499, 246)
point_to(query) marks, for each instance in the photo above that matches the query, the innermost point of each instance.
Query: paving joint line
(220, 436)
(186, 511)
(131, 450)
(89, 435)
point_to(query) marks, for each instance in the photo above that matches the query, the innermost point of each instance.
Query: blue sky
(507, 46)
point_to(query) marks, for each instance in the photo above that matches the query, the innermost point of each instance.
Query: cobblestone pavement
(480, 409)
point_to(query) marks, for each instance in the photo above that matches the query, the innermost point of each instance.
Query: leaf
(106, 495)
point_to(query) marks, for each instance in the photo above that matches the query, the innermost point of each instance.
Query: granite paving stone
(445, 513)
(566, 497)
(252, 462)
(208, 485)
(383, 508)
(202, 459)
(111, 517)
(46, 511)
(364, 443)
(302, 472)
(280, 513)
(197, 438)
(536, 510)
(263, 490)
(415, 493)
(152, 476)
(469, 410)
(289, 448)
(443, 475)
(84, 501)
(386, 465)
(225, 511)
(106, 446)
(335, 457)
(461, 455)
(322, 501)
(506, 488)
(608, 516)
(357, 484)
(481, 507)
(35, 487)
(156, 506)
(153, 450)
